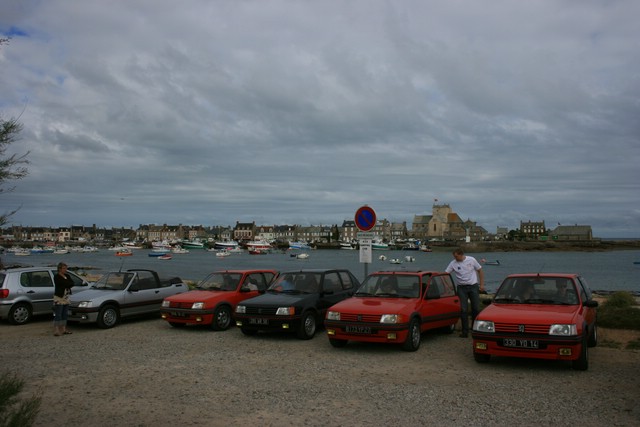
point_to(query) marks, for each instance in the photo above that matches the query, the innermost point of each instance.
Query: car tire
(221, 318)
(108, 317)
(412, 343)
(481, 357)
(249, 332)
(19, 314)
(593, 336)
(582, 362)
(308, 326)
(337, 343)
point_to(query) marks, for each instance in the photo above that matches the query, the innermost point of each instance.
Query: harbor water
(608, 271)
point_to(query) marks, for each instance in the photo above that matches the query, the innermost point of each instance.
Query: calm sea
(609, 271)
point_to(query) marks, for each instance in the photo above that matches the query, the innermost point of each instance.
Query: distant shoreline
(566, 246)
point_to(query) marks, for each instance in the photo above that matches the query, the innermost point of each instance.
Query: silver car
(121, 294)
(28, 291)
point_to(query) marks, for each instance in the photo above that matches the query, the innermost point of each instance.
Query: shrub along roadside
(619, 311)
(16, 412)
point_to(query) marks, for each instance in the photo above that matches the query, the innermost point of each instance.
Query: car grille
(367, 318)
(517, 328)
(181, 304)
(265, 311)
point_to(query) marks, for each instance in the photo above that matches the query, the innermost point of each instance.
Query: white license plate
(258, 321)
(358, 329)
(520, 343)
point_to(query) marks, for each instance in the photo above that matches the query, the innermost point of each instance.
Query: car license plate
(176, 314)
(358, 329)
(258, 321)
(520, 343)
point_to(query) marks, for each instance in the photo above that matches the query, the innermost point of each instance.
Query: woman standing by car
(63, 285)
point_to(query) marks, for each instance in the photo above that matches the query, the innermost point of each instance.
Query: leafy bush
(13, 412)
(620, 299)
(619, 311)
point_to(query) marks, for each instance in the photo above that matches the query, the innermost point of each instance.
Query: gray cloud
(286, 112)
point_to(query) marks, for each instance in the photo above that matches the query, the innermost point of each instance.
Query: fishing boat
(378, 245)
(158, 253)
(347, 246)
(225, 245)
(192, 244)
(124, 252)
(165, 257)
(258, 245)
(299, 245)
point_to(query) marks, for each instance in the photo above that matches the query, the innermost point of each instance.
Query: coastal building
(571, 232)
(533, 229)
(244, 231)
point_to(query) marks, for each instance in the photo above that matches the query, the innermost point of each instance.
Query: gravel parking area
(146, 373)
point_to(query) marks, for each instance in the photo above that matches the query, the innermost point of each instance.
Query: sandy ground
(146, 373)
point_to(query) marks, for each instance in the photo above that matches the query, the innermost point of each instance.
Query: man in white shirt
(470, 278)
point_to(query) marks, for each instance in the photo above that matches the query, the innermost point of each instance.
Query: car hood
(373, 305)
(198, 296)
(279, 299)
(94, 294)
(532, 313)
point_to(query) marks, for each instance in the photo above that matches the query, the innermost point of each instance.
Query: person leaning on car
(470, 278)
(62, 290)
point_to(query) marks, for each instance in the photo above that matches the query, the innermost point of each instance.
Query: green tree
(12, 167)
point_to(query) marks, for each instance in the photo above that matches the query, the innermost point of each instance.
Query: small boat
(124, 252)
(165, 257)
(636, 262)
(395, 261)
(382, 258)
(425, 248)
(258, 251)
(222, 254)
(61, 251)
(346, 246)
(158, 253)
(379, 246)
(485, 262)
(192, 244)
(179, 250)
(302, 256)
(225, 245)
(409, 258)
(258, 245)
(299, 245)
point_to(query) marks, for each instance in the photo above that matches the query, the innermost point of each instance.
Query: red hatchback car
(395, 307)
(540, 316)
(214, 300)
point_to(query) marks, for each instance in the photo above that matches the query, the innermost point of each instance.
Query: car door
(38, 286)
(150, 294)
(441, 304)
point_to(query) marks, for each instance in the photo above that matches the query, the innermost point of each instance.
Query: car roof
(314, 270)
(27, 269)
(565, 275)
(407, 272)
(247, 270)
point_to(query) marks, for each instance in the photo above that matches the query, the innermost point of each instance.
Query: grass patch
(16, 410)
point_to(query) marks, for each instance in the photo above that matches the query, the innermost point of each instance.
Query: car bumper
(367, 332)
(82, 316)
(528, 346)
(270, 323)
(187, 316)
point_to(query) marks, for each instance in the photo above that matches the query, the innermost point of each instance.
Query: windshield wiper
(507, 300)
(362, 294)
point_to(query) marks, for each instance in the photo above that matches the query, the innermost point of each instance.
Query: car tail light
(4, 293)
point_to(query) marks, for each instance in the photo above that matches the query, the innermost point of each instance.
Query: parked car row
(544, 316)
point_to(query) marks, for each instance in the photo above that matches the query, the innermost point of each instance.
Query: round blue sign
(365, 218)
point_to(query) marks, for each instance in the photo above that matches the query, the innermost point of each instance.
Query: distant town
(443, 225)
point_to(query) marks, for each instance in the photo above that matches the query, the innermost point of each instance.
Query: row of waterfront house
(442, 225)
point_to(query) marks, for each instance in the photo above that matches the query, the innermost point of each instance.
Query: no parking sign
(365, 218)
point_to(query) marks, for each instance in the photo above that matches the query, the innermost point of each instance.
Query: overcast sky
(299, 112)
